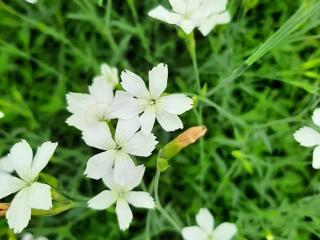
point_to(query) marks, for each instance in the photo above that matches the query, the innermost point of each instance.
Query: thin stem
(176, 225)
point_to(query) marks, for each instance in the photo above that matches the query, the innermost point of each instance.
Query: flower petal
(42, 157)
(10, 184)
(134, 84)
(19, 212)
(5, 165)
(98, 137)
(99, 165)
(180, 6)
(103, 200)
(164, 15)
(175, 103)
(108, 180)
(158, 77)
(316, 117)
(187, 25)
(77, 120)
(205, 220)
(124, 106)
(101, 91)
(192, 233)
(225, 231)
(169, 122)
(316, 158)
(40, 196)
(141, 144)
(307, 137)
(124, 214)
(20, 157)
(126, 174)
(140, 200)
(125, 130)
(78, 102)
(147, 120)
(208, 24)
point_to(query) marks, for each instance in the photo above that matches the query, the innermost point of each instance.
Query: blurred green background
(248, 170)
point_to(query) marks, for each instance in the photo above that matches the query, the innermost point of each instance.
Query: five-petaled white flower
(108, 74)
(189, 14)
(121, 181)
(31, 194)
(29, 236)
(205, 229)
(308, 137)
(152, 103)
(127, 140)
(96, 108)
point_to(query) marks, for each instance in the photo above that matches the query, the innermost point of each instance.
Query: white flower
(121, 181)
(32, 1)
(31, 194)
(96, 108)
(108, 74)
(29, 236)
(189, 14)
(126, 141)
(308, 137)
(1, 114)
(205, 231)
(152, 103)
(5, 165)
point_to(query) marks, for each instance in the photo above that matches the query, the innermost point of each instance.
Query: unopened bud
(185, 139)
(3, 209)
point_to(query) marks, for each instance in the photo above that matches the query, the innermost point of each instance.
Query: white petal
(10, 184)
(147, 120)
(20, 157)
(192, 233)
(27, 236)
(109, 181)
(77, 120)
(316, 158)
(158, 77)
(187, 25)
(19, 212)
(225, 231)
(99, 165)
(316, 117)
(208, 24)
(205, 220)
(1, 114)
(103, 200)
(169, 122)
(98, 137)
(125, 130)
(180, 6)
(124, 106)
(42, 157)
(307, 137)
(5, 165)
(127, 174)
(32, 1)
(140, 200)
(124, 214)
(164, 15)
(101, 91)
(40, 196)
(141, 144)
(134, 84)
(78, 102)
(175, 103)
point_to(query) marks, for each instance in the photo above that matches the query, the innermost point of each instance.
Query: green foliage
(247, 170)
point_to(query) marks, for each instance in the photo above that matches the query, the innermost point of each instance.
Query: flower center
(122, 195)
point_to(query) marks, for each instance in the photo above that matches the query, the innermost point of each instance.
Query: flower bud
(183, 140)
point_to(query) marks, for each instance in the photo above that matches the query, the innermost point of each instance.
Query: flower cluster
(136, 109)
(191, 14)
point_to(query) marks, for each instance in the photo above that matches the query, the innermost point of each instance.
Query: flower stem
(159, 207)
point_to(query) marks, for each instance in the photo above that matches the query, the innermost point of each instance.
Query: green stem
(159, 207)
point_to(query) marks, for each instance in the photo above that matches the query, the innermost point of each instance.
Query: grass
(247, 170)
